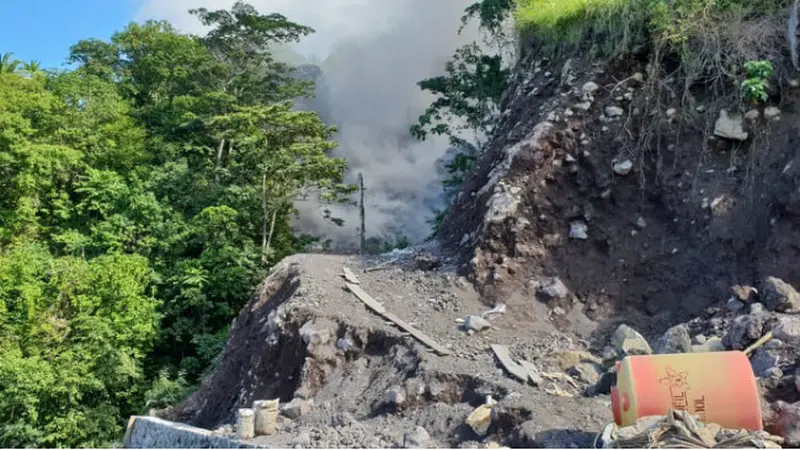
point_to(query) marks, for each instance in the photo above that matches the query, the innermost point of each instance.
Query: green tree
(8, 64)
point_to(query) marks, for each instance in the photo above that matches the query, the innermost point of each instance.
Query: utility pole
(363, 229)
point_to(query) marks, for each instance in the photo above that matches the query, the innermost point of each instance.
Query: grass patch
(613, 26)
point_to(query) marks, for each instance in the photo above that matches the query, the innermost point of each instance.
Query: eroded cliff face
(629, 198)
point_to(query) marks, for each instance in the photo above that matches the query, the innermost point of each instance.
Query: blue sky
(43, 30)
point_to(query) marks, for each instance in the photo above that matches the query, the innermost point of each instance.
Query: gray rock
(476, 323)
(554, 289)
(623, 168)
(419, 438)
(789, 423)
(614, 111)
(525, 435)
(745, 293)
(734, 305)
(312, 335)
(589, 88)
(587, 372)
(763, 361)
(302, 440)
(675, 340)
(713, 344)
(578, 230)
(797, 379)
(752, 115)
(744, 331)
(729, 127)
(788, 330)
(779, 295)
(394, 396)
(297, 408)
(700, 339)
(344, 344)
(772, 112)
(629, 342)
(756, 308)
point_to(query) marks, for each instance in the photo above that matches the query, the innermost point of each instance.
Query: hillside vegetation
(145, 194)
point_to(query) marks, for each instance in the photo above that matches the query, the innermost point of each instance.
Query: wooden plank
(419, 335)
(501, 351)
(349, 276)
(533, 372)
(364, 297)
(400, 323)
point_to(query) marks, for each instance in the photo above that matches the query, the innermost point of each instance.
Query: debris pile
(679, 429)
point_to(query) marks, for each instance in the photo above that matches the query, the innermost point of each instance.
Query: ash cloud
(372, 53)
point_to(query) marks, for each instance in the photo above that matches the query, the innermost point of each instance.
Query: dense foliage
(144, 194)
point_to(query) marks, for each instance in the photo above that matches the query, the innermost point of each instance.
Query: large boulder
(729, 127)
(779, 295)
(628, 341)
(675, 340)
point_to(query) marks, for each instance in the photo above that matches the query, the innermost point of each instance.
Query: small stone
(700, 339)
(675, 340)
(476, 323)
(713, 344)
(578, 230)
(794, 82)
(762, 361)
(554, 289)
(297, 408)
(583, 106)
(756, 308)
(700, 108)
(614, 111)
(312, 336)
(672, 113)
(729, 127)
(744, 293)
(589, 373)
(623, 168)
(752, 115)
(526, 434)
(640, 222)
(629, 342)
(744, 331)
(788, 330)
(344, 344)
(394, 396)
(419, 438)
(734, 305)
(780, 296)
(788, 423)
(303, 440)
(589, 88)
(772, 112)
(639, 77)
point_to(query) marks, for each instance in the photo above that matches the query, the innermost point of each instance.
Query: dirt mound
(305, 339)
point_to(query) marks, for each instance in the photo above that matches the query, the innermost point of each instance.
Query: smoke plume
(372, 53)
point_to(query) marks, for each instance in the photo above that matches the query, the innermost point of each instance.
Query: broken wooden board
(533, 372)
(349, 276)
(382, 266)
(400, 323)
(501, 351)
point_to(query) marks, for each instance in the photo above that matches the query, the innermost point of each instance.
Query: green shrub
(754, 87)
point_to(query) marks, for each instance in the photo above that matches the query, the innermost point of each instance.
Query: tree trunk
(271, 229)
(219, 159)
(265, 217)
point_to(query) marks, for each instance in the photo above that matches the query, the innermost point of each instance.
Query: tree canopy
(145, 193)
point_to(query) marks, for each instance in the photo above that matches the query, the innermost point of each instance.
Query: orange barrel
(717, 387)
